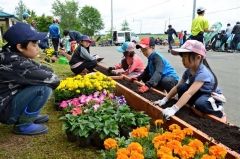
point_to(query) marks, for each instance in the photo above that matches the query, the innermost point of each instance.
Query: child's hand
(168, 112)
(161, 102)
(143, 89)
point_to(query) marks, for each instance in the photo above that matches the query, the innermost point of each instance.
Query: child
(25, 85)
(134, 64)
(198, 85)
(81, 58)
(158, 73)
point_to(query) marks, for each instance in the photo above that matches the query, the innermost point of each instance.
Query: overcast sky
(145, 16)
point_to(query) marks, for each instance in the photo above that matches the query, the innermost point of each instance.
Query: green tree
(125, 26)
(90, 20)
(43, 22)
(67, 11)
(20, 9)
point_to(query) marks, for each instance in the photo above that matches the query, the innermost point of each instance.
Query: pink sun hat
(191, 46)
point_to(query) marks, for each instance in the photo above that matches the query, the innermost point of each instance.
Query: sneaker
(41, 119)
(30, 129)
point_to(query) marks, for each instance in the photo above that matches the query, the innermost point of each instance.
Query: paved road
(225, 65)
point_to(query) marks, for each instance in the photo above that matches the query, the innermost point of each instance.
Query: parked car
(119, 37)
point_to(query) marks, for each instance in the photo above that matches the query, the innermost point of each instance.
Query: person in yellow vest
(199, 25)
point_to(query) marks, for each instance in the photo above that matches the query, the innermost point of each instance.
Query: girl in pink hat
(198, 86)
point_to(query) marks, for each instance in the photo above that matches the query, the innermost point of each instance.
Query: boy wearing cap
(199, 26)
(198, 86)
(81, 58)
(131, 64)
(25, 85)
(158, 73)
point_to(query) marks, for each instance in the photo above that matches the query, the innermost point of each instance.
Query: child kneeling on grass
(25, 85)
(198, 85)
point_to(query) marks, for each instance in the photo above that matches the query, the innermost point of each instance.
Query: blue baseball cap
(22, 32)
(126, 46)
(85, 38)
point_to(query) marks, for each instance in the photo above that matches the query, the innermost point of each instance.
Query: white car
(120, 37)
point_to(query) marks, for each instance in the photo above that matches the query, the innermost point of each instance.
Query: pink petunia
(64, 104)
(76, 111)
(96, 106)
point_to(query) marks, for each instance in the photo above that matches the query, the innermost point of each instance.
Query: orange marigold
(164, 151)
(206, 156)
(187, 152)
(178, 134)
(122, 156)
(123, 152)
(173, 127)
(136, 155)
(140, 132)
(165, 156)
(174, 145)
(197, 145)
(188, 131)
(158, 122)
(110, 144)
(135, 146)
(217, 151)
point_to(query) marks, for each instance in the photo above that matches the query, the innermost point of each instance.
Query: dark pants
(235, 41)
(198, 37)
(89, 65)
(26, 104)
(166, 83)
(55, 42)
(170, 42)
(200, 100)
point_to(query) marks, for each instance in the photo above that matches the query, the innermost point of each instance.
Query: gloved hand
(96, 56)
(161, 102)
(143, 89)
(110, 69)
(168, 112)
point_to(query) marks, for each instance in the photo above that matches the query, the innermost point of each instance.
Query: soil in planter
(104, 71)
(226, 134)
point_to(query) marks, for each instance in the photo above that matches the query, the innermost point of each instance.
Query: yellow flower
(188, 131)
(110, 144)
(158, 122)
(217, 151)
(164, 151)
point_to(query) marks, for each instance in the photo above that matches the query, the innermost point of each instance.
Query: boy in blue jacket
(25, 85)
(158, 73)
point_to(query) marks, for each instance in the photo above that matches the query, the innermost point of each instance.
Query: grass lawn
(53, 145)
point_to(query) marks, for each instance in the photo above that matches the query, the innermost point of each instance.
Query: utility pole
(194, 9)
(111, 17)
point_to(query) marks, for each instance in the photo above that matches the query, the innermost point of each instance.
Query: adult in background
(236, 38)
(184, 36)
(74, 37)
(170, 33)
(199, 25)
(54, 34)
(25, 16)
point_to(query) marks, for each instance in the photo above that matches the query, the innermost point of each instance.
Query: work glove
(110, 69)
(168, 112)
(143, 89)
(161, 102)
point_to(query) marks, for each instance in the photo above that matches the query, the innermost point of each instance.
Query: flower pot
(71, 137)
(96, 141)
(84, 142)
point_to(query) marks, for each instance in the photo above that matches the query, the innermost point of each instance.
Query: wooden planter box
(137, 102)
